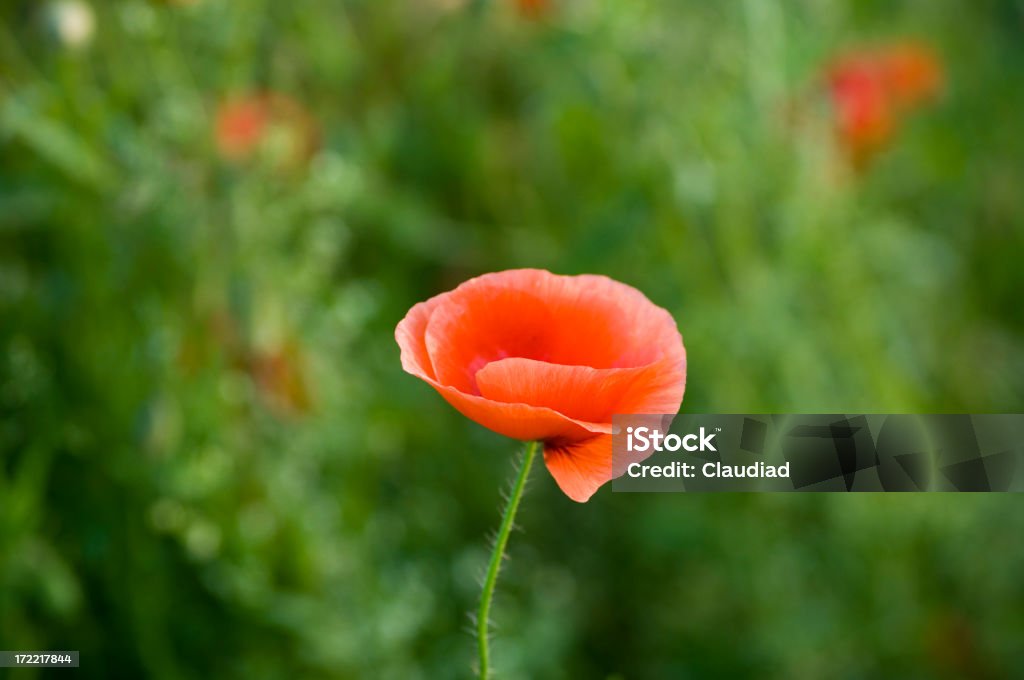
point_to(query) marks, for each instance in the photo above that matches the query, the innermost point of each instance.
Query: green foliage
(211, 464)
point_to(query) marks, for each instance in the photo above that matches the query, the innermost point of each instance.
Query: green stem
(507, 520)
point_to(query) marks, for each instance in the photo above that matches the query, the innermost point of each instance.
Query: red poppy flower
(241, 124)
(872, 90)
(912, 73)
(865, 118)
(533, 9)
(536, 356)
(244, 123)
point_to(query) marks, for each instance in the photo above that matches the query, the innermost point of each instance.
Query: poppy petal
(409, 334)
(584, 320)
(520, 421)
(580, 468)
(585, 393)
(467, 332)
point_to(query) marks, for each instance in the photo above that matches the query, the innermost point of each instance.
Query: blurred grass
(213, 465)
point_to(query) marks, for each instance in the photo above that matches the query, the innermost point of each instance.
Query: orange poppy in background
(537, 356)
(244, 123)
(241, 124)
(533, 9)
(912, 74)
(873, 89)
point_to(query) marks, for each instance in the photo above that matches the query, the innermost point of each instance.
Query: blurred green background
(212, 465)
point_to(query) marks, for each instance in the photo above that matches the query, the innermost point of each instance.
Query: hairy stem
(507, 520)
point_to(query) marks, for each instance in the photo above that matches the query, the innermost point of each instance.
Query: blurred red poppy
(533, 9)
(245, 123)
(912, 74)
(241, 124)
(864, 114)
(536, 356)
(872, 89)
